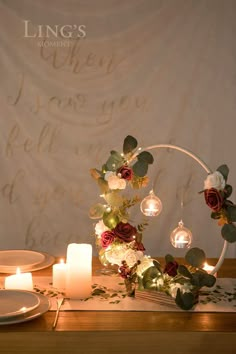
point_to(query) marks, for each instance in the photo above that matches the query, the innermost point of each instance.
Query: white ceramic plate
(48, 260)
(17, 302)
(44, 305)
(11, 259)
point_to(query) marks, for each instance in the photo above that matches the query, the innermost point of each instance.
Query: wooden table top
(77, 324)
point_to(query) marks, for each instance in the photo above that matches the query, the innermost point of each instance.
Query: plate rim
(48, 261)
(43, 307)
(18, 313)
(24, 266)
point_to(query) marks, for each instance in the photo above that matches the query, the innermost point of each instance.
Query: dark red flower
(171, 268)
(126, 172)
(139, 246)
(214, 199)
(107, 237)
(124, 270)
(125, 231)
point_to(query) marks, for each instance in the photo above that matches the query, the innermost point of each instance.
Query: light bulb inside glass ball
(181, 237)
(151, 205)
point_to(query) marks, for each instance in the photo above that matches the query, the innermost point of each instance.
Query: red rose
(171, 268)
(214, 199)
(107, 237)
(125, 231)
(126, 172)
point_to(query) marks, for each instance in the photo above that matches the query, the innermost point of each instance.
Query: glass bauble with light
(181, 237)
(151, 205)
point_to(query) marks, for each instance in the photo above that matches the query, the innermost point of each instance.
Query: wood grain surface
(125, 332)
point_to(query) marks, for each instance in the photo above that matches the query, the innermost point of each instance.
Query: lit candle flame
(18, 270)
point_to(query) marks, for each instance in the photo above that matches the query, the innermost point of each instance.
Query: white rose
(115, 255)
(173, 289)
(184, 288)
(109, 174)
(100, 227)
(122, 184)
(131, 256)
(114, 182)
(215, 180)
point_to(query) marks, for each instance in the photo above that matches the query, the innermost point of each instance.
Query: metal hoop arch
(207, 169)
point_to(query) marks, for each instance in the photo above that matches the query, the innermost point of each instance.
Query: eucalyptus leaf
(208, 280)
(231, 211)
(184, 271)
(140, 168)
(146, 157)
(200, 279)
(130, 143)
(114, 198)
(96, 211)
(169, 258)
(157, 265)
(228, 232)
(195, 257)
(224, 170)
(110, 219)
(115, 161)
(185, 301)
(228, 190)
(148, 276)
(140, 283)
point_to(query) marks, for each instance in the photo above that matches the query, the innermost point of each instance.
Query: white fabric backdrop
(160, 70)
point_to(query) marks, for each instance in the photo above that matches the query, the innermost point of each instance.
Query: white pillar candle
(79, 272)
(19, 280)
(59, 275)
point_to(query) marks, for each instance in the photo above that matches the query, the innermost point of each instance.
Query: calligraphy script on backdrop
(61, 111)
(66, 101)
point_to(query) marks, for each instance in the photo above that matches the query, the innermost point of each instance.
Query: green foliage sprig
(121, 169)
(177, 280)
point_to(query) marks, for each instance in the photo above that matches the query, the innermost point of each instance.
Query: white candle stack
(22, 281)
(79, 271)
(75, 276)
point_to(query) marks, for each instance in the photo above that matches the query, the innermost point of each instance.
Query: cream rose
(184, 288)
(132, 256)
(215, 180)
(114, 181)
(100, 227)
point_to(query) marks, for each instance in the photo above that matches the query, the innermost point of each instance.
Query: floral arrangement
(117, 239)
(179, 281)
(216, 192)
(120, 242)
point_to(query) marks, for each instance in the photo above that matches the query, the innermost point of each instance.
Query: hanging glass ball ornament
(151, 205)
(181, 237)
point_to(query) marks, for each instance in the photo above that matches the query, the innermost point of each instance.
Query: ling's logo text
(57, 31)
